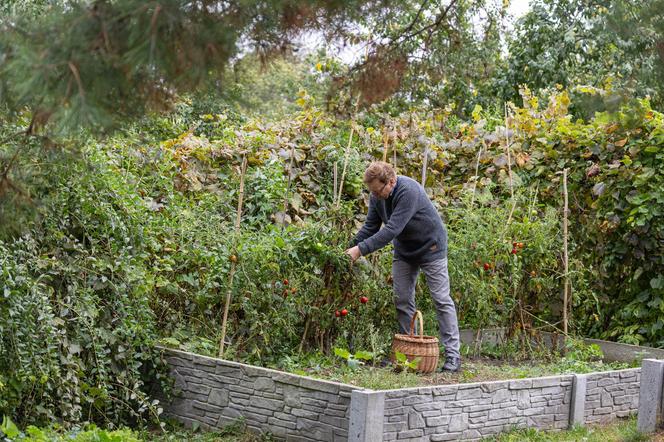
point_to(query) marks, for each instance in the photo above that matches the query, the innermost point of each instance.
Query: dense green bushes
(77, 335)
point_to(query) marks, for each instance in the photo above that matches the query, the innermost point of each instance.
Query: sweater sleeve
(371, 224)
(404, 209)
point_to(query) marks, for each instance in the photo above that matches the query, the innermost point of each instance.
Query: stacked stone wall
(213, 393)
(611, 395)
(474, 411)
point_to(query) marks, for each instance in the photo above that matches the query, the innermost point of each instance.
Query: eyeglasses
(376, 194)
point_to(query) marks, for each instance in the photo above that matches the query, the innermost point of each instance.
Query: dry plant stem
(565, 254)
(238, 218)
(553, 326)
(304, 334)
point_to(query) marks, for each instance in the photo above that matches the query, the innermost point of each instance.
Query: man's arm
(371, 225)
(403, 212)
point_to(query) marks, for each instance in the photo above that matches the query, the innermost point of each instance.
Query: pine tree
(83, 63)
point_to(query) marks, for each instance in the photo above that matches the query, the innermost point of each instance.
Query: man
(414, 226)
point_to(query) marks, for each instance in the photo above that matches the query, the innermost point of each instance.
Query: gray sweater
(410, 221)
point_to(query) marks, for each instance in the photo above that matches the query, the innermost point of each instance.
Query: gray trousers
(404, 278)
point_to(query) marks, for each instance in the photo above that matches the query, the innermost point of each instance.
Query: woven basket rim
(422, 339)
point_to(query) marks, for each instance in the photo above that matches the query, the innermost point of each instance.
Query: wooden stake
(238, 218)
(565, 255)
(343, 172)
(424, 165)
(477, 171)
(386, 146)
(509, 168)
(334, 173)
(509, 159)
(290, 172)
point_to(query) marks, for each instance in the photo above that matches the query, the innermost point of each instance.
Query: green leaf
(400, 356)
(364, 355)
(342, 353)
(9, 428)
(279, 242)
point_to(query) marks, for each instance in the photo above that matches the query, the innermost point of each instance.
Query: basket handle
(418, 315)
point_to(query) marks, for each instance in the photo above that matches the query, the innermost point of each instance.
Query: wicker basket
(417, 346)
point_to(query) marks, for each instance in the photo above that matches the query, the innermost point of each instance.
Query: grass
(236, 432)
(621, 431)
(479, 369)
(478, 365)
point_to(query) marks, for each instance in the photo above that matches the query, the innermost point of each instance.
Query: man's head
(380, 178)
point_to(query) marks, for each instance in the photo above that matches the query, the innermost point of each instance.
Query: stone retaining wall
(473, 411)
(214, 392)
(611, 394)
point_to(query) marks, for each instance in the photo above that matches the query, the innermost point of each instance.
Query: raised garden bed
(215, 392)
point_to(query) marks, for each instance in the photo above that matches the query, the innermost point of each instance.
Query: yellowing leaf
(476, 112)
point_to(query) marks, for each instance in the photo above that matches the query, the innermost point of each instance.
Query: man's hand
(354, 253)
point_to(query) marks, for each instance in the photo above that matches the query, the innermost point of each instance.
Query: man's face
(381, 190)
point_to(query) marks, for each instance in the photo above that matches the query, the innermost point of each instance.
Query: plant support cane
(565, 254)
(231, 275)
(343, 171)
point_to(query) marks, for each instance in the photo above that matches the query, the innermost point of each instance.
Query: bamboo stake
(509, 159)
(424, 165)
(386, 146)
(290, 173)
(509, 167)
(238, 218)
(477, 171)
(334, 173)
(565, 254)
(346, 154)
(343, 172)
